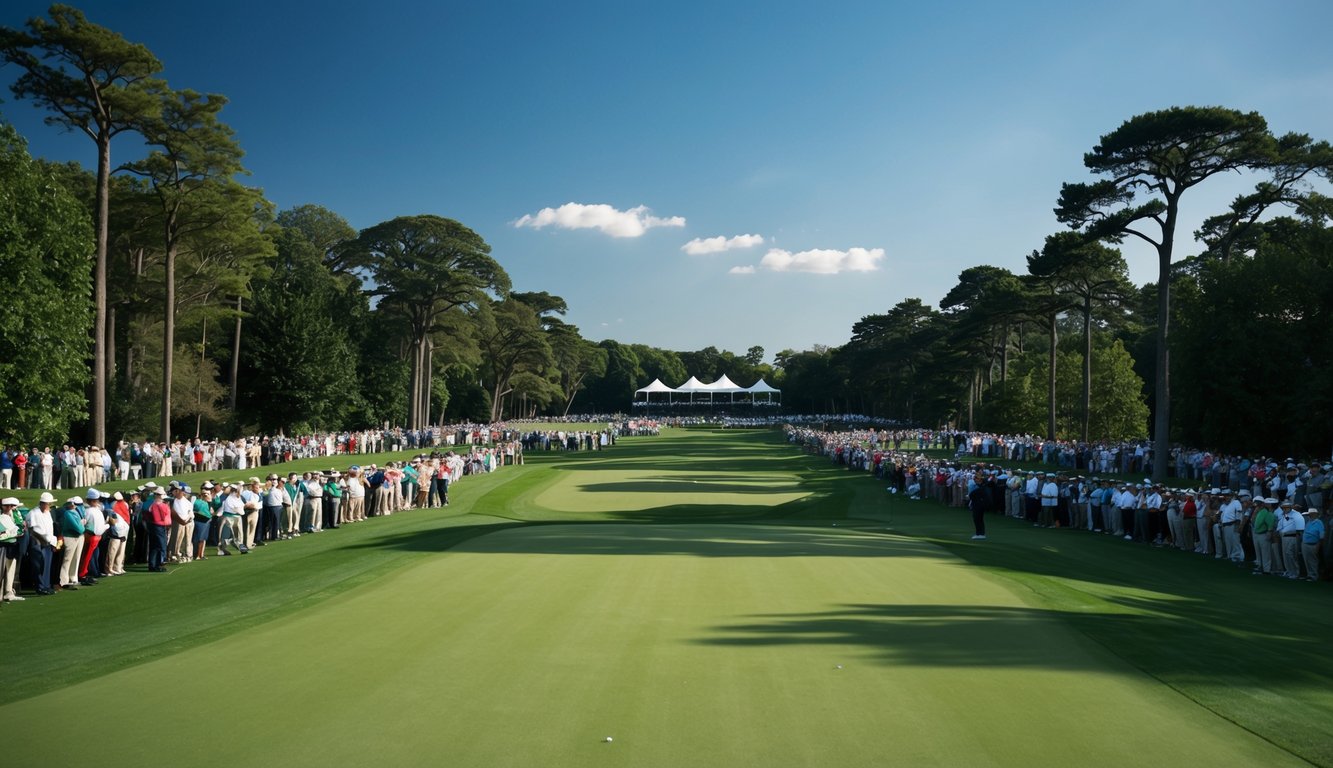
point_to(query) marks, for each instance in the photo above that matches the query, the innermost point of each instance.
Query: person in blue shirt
(1311, 540)
(7, 469)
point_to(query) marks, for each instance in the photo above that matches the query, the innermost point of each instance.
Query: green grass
(700, 620)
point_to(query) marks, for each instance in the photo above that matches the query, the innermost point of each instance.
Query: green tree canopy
(45, 246)
(93, 81)
(298, 367)
(1148, 164)
(424, 267)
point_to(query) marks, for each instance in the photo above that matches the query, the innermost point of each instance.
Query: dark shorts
(200, 531)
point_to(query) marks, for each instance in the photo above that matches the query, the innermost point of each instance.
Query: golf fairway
(805, 633)
(689, 645)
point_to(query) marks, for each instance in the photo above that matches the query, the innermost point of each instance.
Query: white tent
(761, 387)
(657, 387)
(693, 386)
(724, 386)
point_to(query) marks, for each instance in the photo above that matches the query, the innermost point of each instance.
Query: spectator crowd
(57, 545)
(1269, 515)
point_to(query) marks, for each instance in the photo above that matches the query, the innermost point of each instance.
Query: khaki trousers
(69, 567)
(115, 555)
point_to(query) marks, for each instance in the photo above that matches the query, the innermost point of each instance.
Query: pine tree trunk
(1050, 420)
(235, 378)
(1087, 367)
(168, 336)
(414, 396)
(99, 289)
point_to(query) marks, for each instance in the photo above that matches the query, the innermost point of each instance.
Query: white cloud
(700, 246)
(747, 270)
(823, 261)
(614, 222)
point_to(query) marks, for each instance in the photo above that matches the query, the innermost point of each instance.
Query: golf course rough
(723, 642)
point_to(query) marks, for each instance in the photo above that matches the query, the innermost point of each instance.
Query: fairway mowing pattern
(689, 644)
(603, 491)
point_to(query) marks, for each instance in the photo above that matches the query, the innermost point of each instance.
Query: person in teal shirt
(70, 522)
(333, 499)
(203, 518)
(410, 476)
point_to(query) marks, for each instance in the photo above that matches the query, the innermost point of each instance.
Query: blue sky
(870, 151)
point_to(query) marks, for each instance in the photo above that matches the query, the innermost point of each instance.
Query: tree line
(165, 296)
(1235, 337)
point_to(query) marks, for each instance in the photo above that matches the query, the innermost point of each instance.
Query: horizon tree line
(318, 325)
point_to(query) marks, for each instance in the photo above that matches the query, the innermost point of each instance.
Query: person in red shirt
(159, 524)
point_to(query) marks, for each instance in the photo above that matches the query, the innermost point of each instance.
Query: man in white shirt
(1290, 526)
(1152, 502)
(354, 508)
(1230, 520)
(182, 526)
(1050, 499)
(313, 517)
(250, 502)
(42, 542)
(1031, 497)
(233, 521)
(1125, 504)
(275, 498)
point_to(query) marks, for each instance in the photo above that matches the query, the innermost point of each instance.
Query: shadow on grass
(920, 635)
(673, 536)
(679, 485)
(997, 636)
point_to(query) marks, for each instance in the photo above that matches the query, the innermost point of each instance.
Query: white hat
(9, 501)
(1312, 511)
(150, 485)
(93, 493)
(47, 498)
(73, 500)
(117, 496)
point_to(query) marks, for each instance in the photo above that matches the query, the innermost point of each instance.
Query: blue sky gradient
(939, 133)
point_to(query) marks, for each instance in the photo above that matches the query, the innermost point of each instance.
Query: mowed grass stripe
(714, 645)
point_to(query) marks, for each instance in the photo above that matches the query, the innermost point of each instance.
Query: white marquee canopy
(693, 387)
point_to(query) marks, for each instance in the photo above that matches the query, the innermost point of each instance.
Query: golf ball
(608, 738)
(839, 666)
